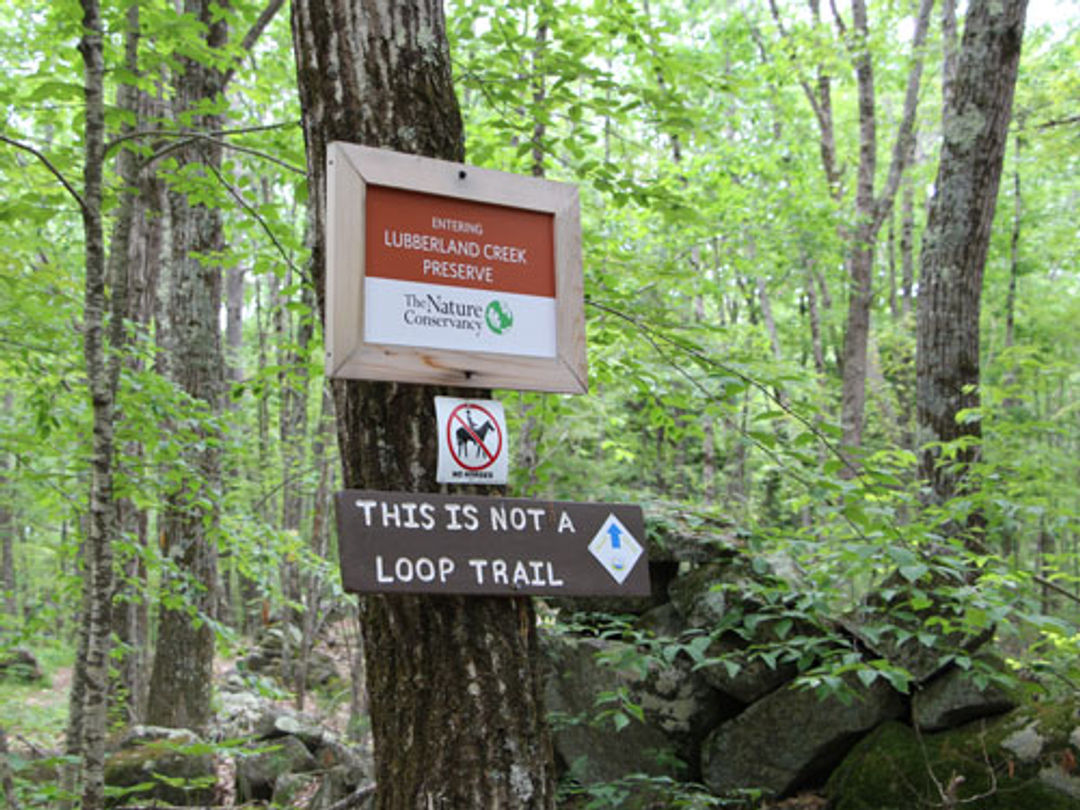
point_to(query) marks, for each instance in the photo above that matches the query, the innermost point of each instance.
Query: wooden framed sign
(442, 273)
(407, 542)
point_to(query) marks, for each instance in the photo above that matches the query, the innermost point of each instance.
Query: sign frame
(351, 168)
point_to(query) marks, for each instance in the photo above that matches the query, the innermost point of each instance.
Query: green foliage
(640, 792)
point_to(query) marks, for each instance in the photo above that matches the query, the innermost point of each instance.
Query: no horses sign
(472, 441)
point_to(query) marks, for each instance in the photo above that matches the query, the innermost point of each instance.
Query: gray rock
(321, 670)
(266, 659)
(290, 787)
(670, 538)
(954, 699)
(662, 622)
(139, 735)
(705, 595)
(336, 786)
(20, 665)
(751, 678)
(178, 776)
(923, 656)
(277, 722)
(791, 737)
(1056, 778)
(1023, 759)
(1026, 744)
(660, 574)
(678, 706)
(333, 754)
(238, 714)
(698, 597)
(257, 773)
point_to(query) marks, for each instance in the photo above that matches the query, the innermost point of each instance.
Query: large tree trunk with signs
(957, 237)
(454, 681)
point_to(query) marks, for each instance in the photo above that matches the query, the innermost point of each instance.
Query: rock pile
(710, 703)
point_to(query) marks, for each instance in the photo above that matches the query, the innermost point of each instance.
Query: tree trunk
(528, 443)
(312, 582)
(957, 237)
(870, 212)
(7, 530)
(894, 302)
(180, 684)
(454, 682)
(708, 428)
(89, 698)
(137, 242)
(814, 316)
(907, 247)
(292, 435)
(233, 602)
(1014, 246)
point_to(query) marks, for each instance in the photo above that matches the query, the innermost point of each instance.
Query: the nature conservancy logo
(498, 316)
(434, 310)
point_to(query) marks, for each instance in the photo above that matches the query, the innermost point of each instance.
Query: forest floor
(34, 715)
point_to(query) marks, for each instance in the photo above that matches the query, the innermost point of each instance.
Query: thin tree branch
(236, 195)
(176, 133)
(354, 798)
(820, 100)
(904, 146)
(1048, 583)
(48, 165)
(819, 113)
(196, 137)
(840, 26)
(1059, 122)
(253, 34)
(653, 336)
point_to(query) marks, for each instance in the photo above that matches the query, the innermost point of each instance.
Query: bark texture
(454, 682)
(957, 237)
(134, 255)
(180, 685)
(89, 698)
(7, 530)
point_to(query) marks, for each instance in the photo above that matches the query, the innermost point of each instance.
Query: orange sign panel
(428, 239)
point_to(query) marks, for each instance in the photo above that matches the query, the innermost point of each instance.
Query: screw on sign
(475, 441)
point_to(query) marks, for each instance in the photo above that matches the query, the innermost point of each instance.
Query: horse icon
(471, 435)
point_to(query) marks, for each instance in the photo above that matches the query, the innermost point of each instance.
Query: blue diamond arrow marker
(616, 535)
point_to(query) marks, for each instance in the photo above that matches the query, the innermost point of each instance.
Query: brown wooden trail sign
(396, 542)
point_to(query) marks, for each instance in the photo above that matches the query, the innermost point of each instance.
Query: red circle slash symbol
(465, 430)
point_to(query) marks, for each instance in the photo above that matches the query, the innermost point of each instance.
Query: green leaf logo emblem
(498, 316)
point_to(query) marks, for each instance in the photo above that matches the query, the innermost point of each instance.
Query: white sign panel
(408, 313)
(473, 446)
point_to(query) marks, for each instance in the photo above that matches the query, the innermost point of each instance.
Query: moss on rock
(895, 769)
